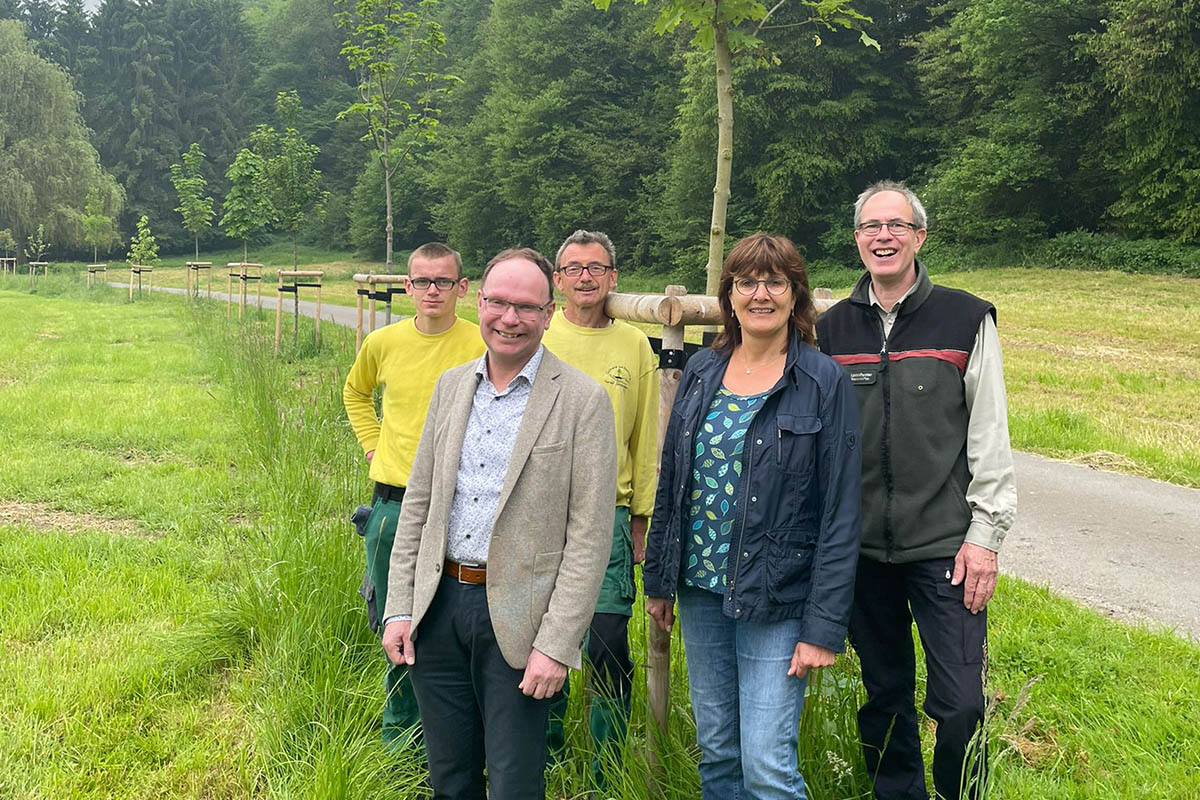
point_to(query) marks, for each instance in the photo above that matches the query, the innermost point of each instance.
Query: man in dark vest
(938, 496)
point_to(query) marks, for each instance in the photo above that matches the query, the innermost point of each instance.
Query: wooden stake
(317, 318)
(278, 313)
(358, 322)
(658, 643)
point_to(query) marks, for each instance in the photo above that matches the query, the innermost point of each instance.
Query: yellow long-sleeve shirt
(619, 358)
(407, 363)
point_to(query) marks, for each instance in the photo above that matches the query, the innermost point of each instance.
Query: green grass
(179, 616)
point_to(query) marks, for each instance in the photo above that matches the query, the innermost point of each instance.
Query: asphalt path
(1126, 546)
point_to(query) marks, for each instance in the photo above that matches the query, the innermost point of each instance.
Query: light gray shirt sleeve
(992, 493)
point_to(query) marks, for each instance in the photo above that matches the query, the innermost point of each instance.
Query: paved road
(1127, 546)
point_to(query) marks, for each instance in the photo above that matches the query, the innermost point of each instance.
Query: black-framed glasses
(896, 227)
(776, 285)
(525, 311)
(443, 284)
(595, 269)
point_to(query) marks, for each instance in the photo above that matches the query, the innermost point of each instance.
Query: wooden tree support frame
(289, 284)
(674, 310)
(247, 272)
(8, 266)
(193, 277)
(92, 269)
(33, 271)
(367, 284)
(138, 270)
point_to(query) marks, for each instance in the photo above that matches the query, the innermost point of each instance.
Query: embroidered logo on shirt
(618, 376)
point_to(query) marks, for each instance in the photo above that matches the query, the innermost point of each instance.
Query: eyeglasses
(524, 311)
(775, 286)
(595, 269)
(443, 284)
(896, 227)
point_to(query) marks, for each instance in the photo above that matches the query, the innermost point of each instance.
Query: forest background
(1057, 131)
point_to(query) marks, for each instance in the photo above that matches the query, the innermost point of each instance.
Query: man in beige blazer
(502, 542)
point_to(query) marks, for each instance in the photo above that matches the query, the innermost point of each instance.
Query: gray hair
(919, 218)
(588, 237)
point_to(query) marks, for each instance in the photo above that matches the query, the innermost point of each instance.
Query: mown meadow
(178, 613)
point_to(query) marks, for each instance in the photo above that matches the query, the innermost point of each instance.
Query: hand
(543, 676)
(809, 656)
(370, 455)
(637, 532)
(978, 566)
(397, 644)
(662, 609)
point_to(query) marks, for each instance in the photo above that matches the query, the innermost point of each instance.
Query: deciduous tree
(142, 247)
(248, 204)
(99, 227)
(394, 48)
(728, 28)
(191, 185)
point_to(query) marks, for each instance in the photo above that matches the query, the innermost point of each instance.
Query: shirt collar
(528, 372)
(874, 300)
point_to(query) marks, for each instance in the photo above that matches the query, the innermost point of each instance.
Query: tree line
(1016, 121)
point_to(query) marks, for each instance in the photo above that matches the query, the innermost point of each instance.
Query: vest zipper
(885, 459)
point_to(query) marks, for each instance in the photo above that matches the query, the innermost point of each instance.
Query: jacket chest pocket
(796, 440)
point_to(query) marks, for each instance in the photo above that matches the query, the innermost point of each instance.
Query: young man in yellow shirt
(618, 357)
(406, 359)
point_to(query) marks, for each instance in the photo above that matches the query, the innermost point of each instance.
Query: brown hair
(435, 250)
(528, 254)
(764, 254)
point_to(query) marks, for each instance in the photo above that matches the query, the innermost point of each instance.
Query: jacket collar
(710, 374)
(923, 287)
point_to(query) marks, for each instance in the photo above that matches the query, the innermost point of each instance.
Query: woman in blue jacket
(756, 522)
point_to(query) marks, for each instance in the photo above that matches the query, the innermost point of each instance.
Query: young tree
(36, 245)
(190, 185)
(248, 205)
(293, 184)
(142, 247)
(99, 229)
(731, 28)
(394, 47)
(7, 242)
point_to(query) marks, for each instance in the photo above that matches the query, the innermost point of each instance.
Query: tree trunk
(244, 259)
(197, 247)
(294, 253)
(95, 258)
(387, 193)
(716, 232)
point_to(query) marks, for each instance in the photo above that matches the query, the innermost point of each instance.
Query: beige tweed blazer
(553, 527)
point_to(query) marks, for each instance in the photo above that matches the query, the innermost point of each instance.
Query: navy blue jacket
(796, 538)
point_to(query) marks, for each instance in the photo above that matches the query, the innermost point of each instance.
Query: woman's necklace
(759, 366)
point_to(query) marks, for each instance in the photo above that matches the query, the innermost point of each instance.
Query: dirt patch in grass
(1113, 462)
(45, 335)
(42, 517)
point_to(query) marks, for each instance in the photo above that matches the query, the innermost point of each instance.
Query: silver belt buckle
(459, 577)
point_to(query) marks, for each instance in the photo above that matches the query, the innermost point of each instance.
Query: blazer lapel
(541, 400)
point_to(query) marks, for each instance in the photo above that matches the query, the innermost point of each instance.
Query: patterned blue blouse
(716, 475)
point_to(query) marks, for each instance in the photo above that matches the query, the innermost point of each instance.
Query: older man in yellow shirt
(618, 357)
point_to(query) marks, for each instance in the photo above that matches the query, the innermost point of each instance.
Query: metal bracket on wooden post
(366, 289)
(293, 288)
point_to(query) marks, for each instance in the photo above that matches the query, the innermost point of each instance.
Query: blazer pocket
(553, 447)
(545, 574)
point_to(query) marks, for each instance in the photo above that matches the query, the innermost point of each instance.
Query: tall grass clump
(292, 618)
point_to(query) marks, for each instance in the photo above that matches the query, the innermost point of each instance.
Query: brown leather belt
(466, 573)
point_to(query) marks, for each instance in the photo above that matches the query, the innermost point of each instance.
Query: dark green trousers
(606, 659)
(401, 720)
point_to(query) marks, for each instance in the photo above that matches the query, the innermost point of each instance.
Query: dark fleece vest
(913, 414)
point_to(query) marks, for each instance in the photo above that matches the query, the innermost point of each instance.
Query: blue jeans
(746, 706)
